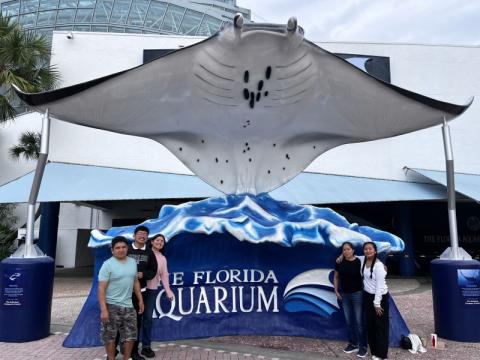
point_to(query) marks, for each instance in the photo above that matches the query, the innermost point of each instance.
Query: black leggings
(377, 326)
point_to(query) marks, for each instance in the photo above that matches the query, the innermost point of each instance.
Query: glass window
(155, 14)
(47, 32)
(103, 10)
(86, 3)
(173, 18)
(191, 22)
(27, 20)
(10, 8)
(120, 11)
(64, 27)
(133, 31)
(63, 4)
(138, 12)
(84, 15)
(29, 6)
(209, 26)
(117, 29)
(65, 16)
(46, 17)
(48, 4)
(81, 27)
(99, 28)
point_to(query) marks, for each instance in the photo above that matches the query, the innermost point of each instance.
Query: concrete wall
(448, 73)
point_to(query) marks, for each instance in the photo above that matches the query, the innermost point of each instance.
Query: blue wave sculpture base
(244, 265)
(258, 219)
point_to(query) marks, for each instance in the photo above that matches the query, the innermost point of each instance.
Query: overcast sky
(412, 21)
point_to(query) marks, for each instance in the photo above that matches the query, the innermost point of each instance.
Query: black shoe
(148, 352)
(137, 356)
(116, 352)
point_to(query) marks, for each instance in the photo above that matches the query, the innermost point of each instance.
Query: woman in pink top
(154, 288)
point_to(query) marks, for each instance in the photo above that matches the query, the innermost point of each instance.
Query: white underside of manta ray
(249, 108)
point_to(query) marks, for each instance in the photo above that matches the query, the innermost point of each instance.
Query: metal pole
(452, 214)
(37, 180)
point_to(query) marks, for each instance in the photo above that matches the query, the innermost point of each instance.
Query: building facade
(444, 72)
(184, 17)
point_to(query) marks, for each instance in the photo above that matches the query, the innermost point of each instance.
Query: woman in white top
(375, 302)
(154, 286)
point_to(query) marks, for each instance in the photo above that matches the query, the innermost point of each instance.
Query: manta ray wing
(247, 109)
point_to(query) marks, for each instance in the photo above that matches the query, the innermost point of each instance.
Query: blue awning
(83, 183)
(465, 184)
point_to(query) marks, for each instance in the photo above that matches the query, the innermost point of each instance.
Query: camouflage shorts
(120, 319)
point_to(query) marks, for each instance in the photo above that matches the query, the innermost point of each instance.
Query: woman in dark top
(348, 285)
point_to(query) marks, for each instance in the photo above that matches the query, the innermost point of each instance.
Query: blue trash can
(26, 286)
(456, 299)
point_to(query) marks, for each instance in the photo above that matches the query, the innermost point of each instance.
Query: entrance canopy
(84, 183)
(465, 184)
(249, 108)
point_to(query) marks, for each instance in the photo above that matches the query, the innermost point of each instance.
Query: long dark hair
(374, 257)
(349, 244)
(164, 242)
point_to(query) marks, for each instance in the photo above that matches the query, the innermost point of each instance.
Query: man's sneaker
(362, 352)
(137, 356)
(350, 349)
(148, 352)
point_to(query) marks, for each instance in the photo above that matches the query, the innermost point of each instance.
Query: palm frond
(28, 146)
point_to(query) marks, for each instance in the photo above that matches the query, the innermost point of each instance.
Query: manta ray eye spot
(198, 160)
(180, 149)
(216, 160)
(260, 85)
(246, 76)
(203, 141)
(246, 144)
(226, 161)
(268, 171)
(248, 149)
(265, 93)
(283, 168)
(258, 97)
(252, 102)
(250, 160)
(274, 145)
(221, 181)
(244, 126)
(287, 156)
(244, 151)
(268, 72)
(246, 93)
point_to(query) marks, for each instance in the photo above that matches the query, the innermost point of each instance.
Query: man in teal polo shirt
(116, 280)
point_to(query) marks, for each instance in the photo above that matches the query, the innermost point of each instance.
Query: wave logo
(14, 276)
(311, 291)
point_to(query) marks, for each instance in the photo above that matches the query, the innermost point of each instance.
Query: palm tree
(28, 146)
(24, 61)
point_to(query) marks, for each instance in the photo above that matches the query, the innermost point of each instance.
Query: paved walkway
(412, 296)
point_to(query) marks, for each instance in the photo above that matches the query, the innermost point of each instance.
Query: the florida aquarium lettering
(222, 291)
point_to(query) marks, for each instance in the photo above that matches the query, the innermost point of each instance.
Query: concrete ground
(412, 296)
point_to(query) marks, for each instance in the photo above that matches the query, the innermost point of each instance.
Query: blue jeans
(150, 301)
(354, 317)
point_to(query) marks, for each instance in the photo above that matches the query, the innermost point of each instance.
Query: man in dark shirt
(147, 269)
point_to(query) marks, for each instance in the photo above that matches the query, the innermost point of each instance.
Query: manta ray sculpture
(248, 108)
